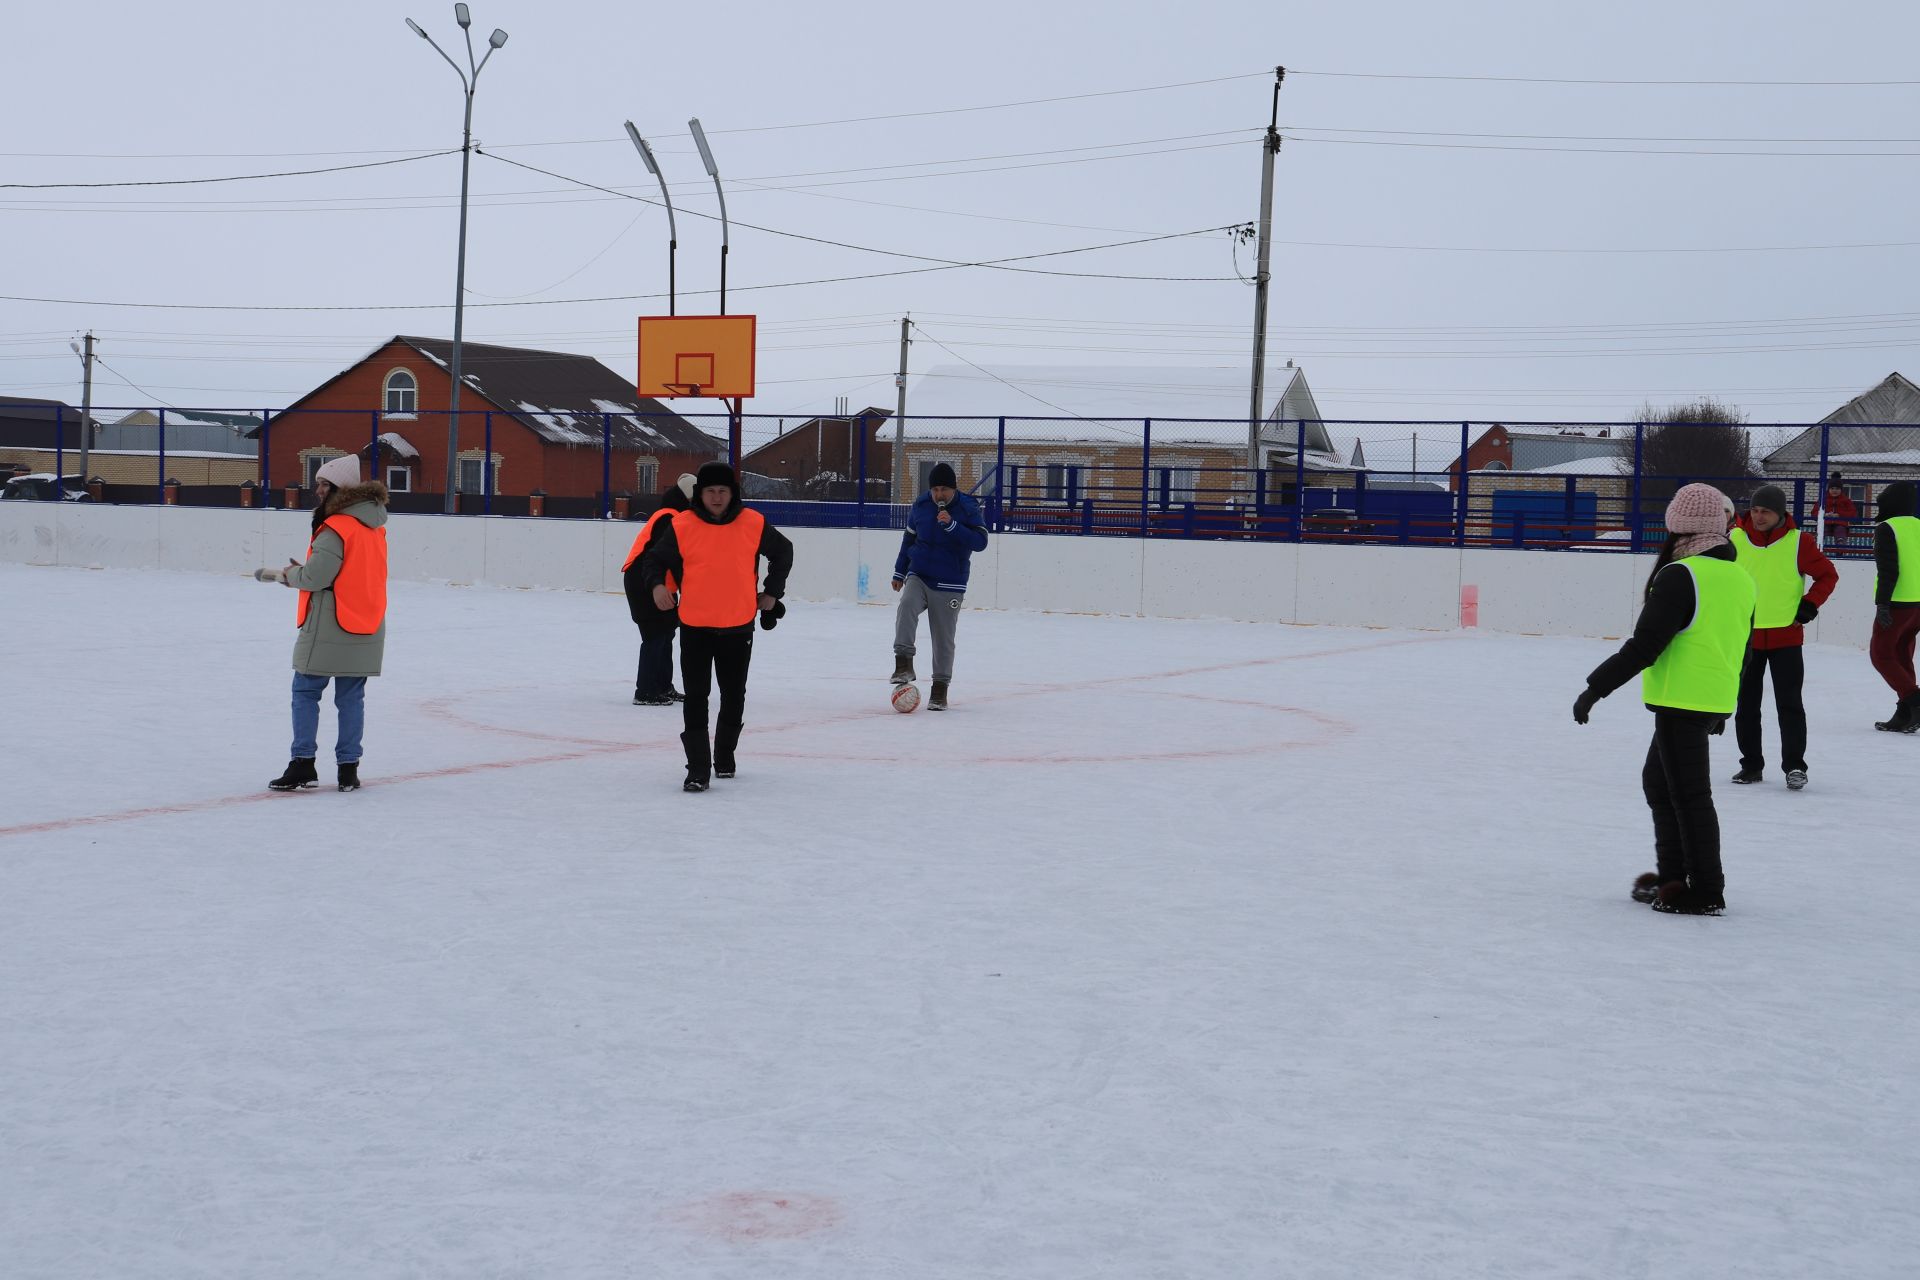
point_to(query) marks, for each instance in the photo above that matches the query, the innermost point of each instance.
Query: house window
(1177, 485)
(402, 393)
(646, 475)
(1495, 465)
(1061, 483)
(399, 479)
(473, 476)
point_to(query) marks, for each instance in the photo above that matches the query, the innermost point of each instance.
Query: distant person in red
(1840, 510)
(1792, 578)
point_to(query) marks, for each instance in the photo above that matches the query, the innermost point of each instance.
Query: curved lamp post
(469, 79)
(673, 234)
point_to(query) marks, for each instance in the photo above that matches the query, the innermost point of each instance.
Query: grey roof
(1893, 409)
(562, 397)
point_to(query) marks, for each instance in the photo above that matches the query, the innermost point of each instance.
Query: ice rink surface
(1175, 949)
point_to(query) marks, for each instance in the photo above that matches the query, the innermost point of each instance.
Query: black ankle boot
(903, 668)
(350, 776)
(300, 773)
(938, 700)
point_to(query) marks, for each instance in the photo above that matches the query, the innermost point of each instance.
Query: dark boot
(1676, 898)
(938, 700)
(350, 776)
(903, 668)
(699, 761)
(1646, 887)
(1905, 717)
(1746, 777)
(300, 773)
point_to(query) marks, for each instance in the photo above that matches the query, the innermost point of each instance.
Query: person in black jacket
(1690, 640)
(653, 680)
(714, 553)
(1896, 605)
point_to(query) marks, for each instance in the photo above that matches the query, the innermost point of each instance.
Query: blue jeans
(349, 700)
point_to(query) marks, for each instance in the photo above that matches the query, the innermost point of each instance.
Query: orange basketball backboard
(709, 356)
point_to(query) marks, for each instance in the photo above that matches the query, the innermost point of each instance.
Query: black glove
(771, 618)
(1718, 727)
(1583, 706)
(1806, 613)
(1883, 616)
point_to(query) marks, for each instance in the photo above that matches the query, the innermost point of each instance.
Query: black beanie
(1771, 497)
(713, 473)
(1897, 499)
(942, 477)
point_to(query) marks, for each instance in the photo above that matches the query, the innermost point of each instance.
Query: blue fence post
(1519, 528)
(1637, 537)
(161, 479)
(606, 465)
(1300, 481)
(60, 453)
(1146, 470)
(1000, 459)
(1825, 439)
(1573, 509)
(486, 466)
(1086, 515)
(1466, 488)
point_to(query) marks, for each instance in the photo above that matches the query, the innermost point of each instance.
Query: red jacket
(1813, 564)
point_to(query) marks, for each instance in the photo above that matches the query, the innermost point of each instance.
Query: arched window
(1495, 465)
(402, 392)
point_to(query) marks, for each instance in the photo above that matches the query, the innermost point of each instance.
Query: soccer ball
(906, 698)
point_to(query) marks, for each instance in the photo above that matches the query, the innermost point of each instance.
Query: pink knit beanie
(1697, 508)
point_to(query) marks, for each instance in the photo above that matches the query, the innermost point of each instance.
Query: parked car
(39, 487)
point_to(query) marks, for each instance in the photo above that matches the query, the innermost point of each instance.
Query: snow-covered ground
(1175, 949)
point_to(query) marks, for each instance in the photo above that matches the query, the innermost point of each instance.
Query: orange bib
(360, 588)
(720, 569)
(643, 538)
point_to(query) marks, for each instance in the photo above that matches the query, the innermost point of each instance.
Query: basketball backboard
(707, 356)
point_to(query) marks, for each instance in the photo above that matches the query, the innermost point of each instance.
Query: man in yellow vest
(342, 616)
(1792, 578)
(1896, 602)
(714, 553)
(1687, 648)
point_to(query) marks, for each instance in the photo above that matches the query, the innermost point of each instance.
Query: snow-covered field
(1173, 950)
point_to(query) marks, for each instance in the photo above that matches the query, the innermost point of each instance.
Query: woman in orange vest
(713, 552)
(653, 684)
(342, 616)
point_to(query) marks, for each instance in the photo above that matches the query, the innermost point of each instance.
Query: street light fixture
(673, 234)
(713, 171)
(469, 79)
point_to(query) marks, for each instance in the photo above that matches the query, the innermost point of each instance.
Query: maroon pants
(1892, 649)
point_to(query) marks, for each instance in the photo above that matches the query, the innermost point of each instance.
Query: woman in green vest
(1896, 602)
(1687, 648)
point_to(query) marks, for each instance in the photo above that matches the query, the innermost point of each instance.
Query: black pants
(1789, 673)
(655, 676)
(1679, 788)
(706, 653)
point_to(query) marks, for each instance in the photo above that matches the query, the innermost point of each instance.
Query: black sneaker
(1746, 777)
(1677, 899)
(650, 701)
(938, 700)
(1796, 779)
(300, 773)
(350, 776)
(723, 768)
(1905, 717)
(674, 695)
(694, 782)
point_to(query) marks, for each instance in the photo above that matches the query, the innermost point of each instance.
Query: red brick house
(542, 415)
(821, 458)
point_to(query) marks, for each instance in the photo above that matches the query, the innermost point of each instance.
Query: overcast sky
(1437, 267)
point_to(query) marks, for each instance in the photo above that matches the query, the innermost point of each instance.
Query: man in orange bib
(342, 616)
(653, 683)
(713, 552)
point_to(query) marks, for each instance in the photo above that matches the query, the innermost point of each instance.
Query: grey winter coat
(323, 648)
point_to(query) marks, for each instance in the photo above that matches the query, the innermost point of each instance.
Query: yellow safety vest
(1700, 668)
(1777, 582)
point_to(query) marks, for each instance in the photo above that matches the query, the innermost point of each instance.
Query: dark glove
(1806, 613)
(1583, 706)
(1883, 616)
(771, 618)
(1718, 727)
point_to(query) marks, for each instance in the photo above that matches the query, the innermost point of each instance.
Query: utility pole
(900, 415)
(86, 409)
(1269, 150)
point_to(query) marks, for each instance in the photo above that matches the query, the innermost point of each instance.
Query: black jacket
(663, 553)
(1668, 612)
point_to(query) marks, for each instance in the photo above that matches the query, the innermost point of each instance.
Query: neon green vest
(1906, 538)
(1775, 570)
(1700, 669)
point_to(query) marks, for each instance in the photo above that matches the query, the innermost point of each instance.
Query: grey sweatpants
(943, 619)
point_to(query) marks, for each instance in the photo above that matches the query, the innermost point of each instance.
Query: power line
(237, 177)
(1594, 151)
(1707, 84)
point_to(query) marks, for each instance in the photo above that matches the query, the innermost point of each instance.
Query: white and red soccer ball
(905, 698)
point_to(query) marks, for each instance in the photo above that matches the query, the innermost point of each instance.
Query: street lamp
(467, 84)
(673, 235)
(713, 171)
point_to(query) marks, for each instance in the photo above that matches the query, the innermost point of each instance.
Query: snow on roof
(1893, 457)
(398, 443)
(1607, 464)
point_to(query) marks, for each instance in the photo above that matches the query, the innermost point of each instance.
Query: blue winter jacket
(936, 553)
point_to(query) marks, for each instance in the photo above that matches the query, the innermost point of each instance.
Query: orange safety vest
(360, 588)
(720, 569)
(645, 536)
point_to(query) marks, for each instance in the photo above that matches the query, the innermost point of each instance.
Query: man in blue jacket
(944, 529)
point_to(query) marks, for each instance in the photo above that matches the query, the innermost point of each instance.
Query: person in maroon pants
(1896, 603)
